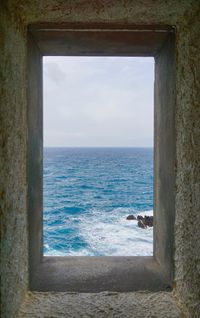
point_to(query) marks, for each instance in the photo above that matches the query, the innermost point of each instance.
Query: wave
(88, 194)
(110, 234)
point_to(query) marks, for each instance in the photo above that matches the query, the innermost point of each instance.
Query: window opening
(98, 155)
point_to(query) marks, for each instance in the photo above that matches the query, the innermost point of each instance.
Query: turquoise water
(88, 193)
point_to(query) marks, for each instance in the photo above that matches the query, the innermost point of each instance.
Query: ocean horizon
(89, 192)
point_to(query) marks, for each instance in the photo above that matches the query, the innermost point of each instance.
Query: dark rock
(131, 217)
(141, 224)
(148, 220)
(145, 221)
(140, 217)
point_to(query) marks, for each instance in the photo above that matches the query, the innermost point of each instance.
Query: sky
(98, 101)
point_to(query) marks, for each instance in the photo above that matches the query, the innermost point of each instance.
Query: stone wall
(15, 16)
(187, 225)
(14, 252)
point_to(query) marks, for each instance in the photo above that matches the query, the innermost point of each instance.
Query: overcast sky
(98, 101)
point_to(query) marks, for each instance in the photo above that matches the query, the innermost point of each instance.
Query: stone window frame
(113, 273)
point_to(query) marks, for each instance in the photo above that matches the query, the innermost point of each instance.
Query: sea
(88, 194)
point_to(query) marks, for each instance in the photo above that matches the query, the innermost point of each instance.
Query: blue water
(88, 193)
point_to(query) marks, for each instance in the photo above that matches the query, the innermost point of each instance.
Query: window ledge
(96, 274)
(104, 304)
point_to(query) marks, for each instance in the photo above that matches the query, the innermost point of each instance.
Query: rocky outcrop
(143, 221)
(131, 217)
(141, 224)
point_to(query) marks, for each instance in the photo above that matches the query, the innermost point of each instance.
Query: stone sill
(104, 304)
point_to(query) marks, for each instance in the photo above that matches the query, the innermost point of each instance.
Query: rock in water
(141, 224)
(131, 217)
(145, 221)
(148, 220)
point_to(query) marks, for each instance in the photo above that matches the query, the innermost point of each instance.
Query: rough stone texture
(13, 242)
(15, 16)
(129, 11)
(105, 304)
(187, 225)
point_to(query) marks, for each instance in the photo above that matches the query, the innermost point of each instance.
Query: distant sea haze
(89, 192)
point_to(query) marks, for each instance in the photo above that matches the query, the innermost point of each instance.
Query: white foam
(111, 234)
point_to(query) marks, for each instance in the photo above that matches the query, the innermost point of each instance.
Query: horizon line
(98, 146)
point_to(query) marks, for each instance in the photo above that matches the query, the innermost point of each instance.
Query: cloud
(98, 101)
(53, 72)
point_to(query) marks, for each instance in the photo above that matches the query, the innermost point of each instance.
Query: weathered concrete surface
(129, 11)
(137, 305)
(187, 225)
(13, 242)
(15, 16)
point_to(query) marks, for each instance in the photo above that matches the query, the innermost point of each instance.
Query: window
(98, 155)
(105, 273)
